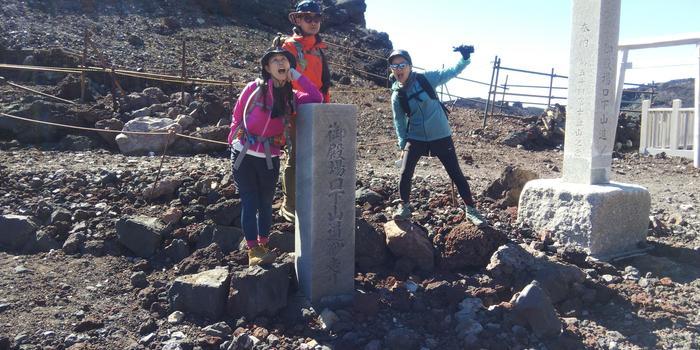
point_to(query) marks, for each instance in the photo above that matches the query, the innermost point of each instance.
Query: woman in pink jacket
(258, 131)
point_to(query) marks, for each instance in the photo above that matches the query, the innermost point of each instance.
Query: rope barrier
(375, 144)
(203, 139)
(122, 72)
(114, 131)
(160, 133)
(359, 90)
(359, 70)
(41, 68)
(82, 127)
(36, 92)
(355, 50)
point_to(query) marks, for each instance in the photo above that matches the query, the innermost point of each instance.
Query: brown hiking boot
(260, 255)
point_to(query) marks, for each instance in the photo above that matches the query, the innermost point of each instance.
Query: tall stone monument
(325, 201)
(584, 208)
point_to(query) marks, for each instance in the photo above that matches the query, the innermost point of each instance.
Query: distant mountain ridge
(664, 94)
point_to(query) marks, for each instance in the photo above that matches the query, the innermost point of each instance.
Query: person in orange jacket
(307, 47)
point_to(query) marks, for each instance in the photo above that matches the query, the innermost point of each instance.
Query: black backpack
(425, 86)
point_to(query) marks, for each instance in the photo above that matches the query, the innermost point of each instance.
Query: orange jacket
(312, 64)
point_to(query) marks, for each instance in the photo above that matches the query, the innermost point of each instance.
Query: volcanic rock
(226, 237)
(533, 306)
(406, 240)
(74, 243)
(206, 258)
(226, 213)
(177, 250)
(203, 293)
(516, 265)
(508, 187)
(469, 246)
(16, 231)
(164, 188)
(131, 144)
(370, 245)
(259, 290)
(140, 234)
(363, 195)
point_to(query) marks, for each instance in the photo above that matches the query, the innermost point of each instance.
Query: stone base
(605, 220)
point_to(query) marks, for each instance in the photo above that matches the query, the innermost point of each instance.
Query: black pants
(444, 149)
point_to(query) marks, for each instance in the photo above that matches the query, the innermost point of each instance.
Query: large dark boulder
(202, 259)
(227, 237)
(469, 246)
(203, 293)
(346, 12)
(140, 234)
(370, 246)
(16, 232)
(532, 306)
(39, 110)
(257, 290)
(225, 213)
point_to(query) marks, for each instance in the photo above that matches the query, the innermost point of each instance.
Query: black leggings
(444, 149)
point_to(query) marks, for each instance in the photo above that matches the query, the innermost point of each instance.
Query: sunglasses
(398, 65)
(311, 19)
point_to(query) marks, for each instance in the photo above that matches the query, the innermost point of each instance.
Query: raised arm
(308, 92)
(439, 77)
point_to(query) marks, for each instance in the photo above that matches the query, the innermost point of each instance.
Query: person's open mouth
(282, 71)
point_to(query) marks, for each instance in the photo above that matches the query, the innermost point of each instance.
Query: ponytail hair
(282, 101)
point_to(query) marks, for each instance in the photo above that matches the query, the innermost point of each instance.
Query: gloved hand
(465, 50)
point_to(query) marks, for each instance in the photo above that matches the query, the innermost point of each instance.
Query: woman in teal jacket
(422, 127)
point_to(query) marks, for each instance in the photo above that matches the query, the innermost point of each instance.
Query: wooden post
(230, 89)
(442, 87)
(184, 72)
(495, 85)
(505, 87)
(488, 98)
(551, 85)
(84, 64)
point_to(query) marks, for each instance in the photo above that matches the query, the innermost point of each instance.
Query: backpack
(250, 138)
(325, 72)
(425, 86)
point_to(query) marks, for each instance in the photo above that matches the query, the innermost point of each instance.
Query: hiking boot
(260, 255)
(403, 212)
(474, 216)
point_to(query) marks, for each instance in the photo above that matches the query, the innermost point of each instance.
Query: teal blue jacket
(428, 121)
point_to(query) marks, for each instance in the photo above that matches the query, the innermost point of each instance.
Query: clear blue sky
(529, 34)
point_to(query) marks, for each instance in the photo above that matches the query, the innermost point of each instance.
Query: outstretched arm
(439, 77)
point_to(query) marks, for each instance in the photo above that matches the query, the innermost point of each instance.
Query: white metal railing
(668, 130)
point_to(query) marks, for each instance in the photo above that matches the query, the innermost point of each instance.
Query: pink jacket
(259, 122)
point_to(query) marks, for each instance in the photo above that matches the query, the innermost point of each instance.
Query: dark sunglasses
(398, 65)
(312, 18)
